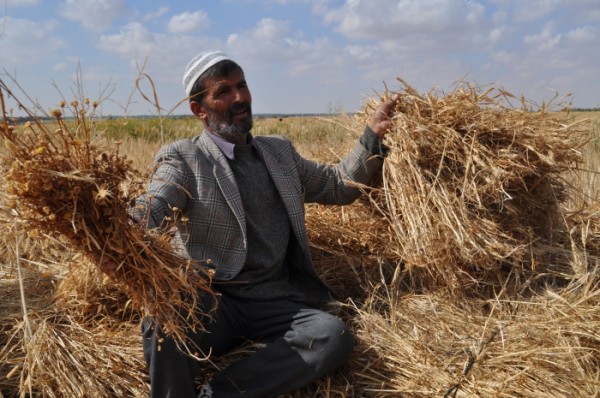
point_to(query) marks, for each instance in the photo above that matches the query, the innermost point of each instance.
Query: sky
(299, 56)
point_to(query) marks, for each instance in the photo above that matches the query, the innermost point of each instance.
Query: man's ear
(198, 110)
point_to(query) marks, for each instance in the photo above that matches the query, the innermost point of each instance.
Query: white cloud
(497, 34)
(362, 53)
(133, 40)
(583, 35)
(24, 42)
(59, 66)
(93, 74)
(547, 39)
(156, 14)
(531, 10)
(499, 17)
(270, 38)
(505, 57)
(272, 48)
(189, 22)
(163, 56)
(388, 19)
(96, 15)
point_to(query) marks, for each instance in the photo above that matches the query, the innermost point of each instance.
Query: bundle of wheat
(472, 183)
(64, 180)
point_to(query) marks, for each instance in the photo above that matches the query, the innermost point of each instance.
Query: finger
(390, 104)
(384, 110)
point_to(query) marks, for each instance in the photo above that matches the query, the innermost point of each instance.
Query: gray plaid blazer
(193, 175)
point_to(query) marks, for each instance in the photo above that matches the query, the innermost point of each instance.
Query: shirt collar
(225, 146)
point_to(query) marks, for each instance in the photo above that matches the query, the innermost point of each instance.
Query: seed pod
(39, 150)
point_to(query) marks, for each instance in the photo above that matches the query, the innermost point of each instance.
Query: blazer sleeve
(166, 189)
(336, 184)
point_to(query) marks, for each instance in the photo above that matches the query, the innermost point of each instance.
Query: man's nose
(240, 95)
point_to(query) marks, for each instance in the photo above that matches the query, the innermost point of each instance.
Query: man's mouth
(240, 110)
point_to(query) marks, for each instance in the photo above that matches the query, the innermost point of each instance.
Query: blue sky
(301, 56)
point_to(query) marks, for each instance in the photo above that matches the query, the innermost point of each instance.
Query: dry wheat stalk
(68, 358)
(59, 180)
(472, 183)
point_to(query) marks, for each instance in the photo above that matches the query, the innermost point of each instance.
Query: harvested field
(471, 270)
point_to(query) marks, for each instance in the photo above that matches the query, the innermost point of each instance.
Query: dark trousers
(302, 344)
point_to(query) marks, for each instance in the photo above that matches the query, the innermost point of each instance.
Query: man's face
(226, 107)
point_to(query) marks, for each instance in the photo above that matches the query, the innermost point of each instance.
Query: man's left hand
(380, 120)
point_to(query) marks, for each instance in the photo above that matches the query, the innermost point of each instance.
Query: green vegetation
(152, 129)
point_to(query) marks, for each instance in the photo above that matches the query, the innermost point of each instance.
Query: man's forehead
(231, 79)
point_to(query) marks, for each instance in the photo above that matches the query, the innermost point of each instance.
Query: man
(244, 197)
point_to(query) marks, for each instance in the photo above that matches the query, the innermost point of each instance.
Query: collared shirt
(227, 147)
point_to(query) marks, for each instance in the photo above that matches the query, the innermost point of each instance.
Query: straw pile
(78, 336)
(477, 257)
(433, 345)
(59, 181)
(472, 188)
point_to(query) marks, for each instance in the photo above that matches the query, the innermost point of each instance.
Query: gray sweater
(265, 274)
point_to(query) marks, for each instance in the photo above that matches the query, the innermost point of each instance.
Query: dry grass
(79, 339)
(432, 345)
(522, 321)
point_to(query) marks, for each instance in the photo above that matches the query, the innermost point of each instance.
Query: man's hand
(380, 120)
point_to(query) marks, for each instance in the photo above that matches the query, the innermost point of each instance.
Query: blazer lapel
(292, 198)
(225, 179)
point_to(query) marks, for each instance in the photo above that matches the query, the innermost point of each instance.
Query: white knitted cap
(198, 65)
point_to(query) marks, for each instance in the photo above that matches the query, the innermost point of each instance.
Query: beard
(224, 125)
